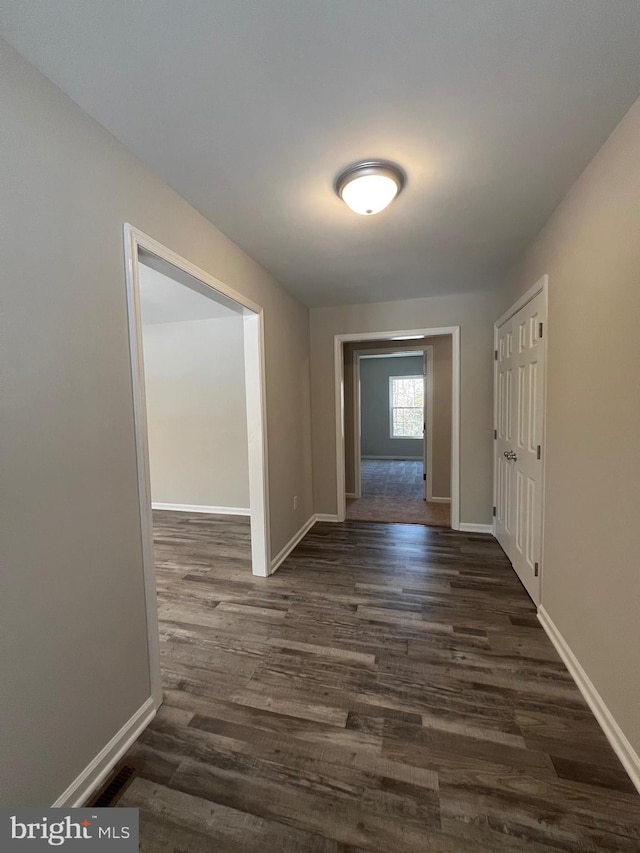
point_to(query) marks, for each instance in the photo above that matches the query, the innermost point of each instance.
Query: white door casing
(134, 241)
(338, 361)
(427, 445)
(426, 414)
(519, 440)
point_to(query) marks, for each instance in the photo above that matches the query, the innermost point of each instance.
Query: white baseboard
(470, 527)
(321, 516)
(210, 510)
(399, 458)
(94, 773)
(626, 753)
(432, 500)
(350, 495)
(282, 555)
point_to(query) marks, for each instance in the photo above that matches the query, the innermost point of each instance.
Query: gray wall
(197, 412)
(74, 654)
(374, 407)
(590, 248)
(475, 314)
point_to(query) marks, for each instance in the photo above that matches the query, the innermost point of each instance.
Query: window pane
(407, 422)
(408, 391)
(407, 406)
(413, 422)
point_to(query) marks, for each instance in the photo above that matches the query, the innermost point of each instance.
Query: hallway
(389, 688)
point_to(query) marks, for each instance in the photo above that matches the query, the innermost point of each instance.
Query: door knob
(509, 454)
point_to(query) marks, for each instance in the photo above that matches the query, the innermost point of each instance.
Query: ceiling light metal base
(370, 167)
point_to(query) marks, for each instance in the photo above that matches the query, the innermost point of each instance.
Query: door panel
(519, 410)
(504, 430)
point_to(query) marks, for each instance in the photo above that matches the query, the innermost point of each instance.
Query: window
(406, 406)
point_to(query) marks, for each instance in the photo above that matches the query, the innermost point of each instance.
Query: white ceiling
(249, 108)
(163, 300)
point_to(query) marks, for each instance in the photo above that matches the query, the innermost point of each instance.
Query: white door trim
(427, 352)
(357, 427)
(134, 240)
(428, 439)
(339, 341)
(541, 286)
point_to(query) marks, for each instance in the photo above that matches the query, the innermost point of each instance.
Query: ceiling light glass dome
(367, 188)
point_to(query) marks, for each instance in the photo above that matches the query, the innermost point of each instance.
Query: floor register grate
(116, 784)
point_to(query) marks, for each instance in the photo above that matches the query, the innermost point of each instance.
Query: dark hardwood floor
(388, 689)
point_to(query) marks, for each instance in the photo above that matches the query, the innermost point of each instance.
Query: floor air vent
(117, 783)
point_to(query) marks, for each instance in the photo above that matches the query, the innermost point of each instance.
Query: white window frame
(391, 407)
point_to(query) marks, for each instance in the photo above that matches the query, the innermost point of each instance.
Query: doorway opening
(397, 404)
(197, 361)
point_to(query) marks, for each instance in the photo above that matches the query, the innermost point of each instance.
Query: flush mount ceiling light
(368, 188)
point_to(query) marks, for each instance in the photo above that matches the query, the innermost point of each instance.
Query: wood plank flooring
(398, 511)
(388, 689)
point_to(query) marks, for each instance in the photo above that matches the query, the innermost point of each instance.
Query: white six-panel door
(519, 413)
